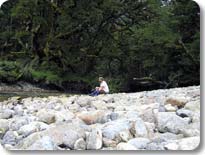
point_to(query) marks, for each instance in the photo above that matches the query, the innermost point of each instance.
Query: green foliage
(9, 71)
(68, 41)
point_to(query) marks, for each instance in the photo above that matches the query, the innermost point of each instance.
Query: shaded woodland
(66, 44)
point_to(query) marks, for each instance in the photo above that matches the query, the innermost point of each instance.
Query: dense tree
(136, 45)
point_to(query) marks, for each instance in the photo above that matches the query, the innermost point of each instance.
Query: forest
(67, 44)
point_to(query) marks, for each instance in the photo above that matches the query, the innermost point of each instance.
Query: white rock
(170, 122)
(125, 146)
(94, 140)
(80, 144)
(139, 143)
(170, 108)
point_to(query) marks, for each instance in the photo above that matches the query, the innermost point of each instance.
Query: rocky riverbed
(154, 120)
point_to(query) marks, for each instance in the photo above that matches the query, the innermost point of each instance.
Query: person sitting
(103, 89)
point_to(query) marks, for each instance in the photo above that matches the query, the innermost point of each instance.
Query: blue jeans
(95, 93)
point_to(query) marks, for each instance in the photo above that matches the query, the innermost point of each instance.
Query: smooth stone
(170, 122)
(139, 143)
(80, 144)
(94, 140)
(45, 143)
(125, 146)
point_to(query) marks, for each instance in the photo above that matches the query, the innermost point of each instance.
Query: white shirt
(105, 86)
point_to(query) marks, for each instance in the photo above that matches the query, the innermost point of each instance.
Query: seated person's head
(101, 79)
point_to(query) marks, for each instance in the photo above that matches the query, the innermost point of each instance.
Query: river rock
(170, 108)
(111, 130)
(122, 121)
(125, 135)
(7, 114)
(99, 105)
(65, 133)
(139, 143)
(32, 127)
(80, 144)
(177, 101)
(46, 116)
(4, 126)
(94, 140)
(63, 115)
(184, 113)
(93, 117)
(170, 122)
(18, 122)
(45, 143)
(83, 101)
(139, 129)
(10, 137)
(109, 143)
(190, 143)
(193, 106)
(125, 146)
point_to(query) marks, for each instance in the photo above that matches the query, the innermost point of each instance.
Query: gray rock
(94, 140)
(147, 115)
(170, 122)
(45, 143)
(7, 114)
(46, 116)
(4, 126)
(155, 146)
(83, 101)
(139, 143)
(65, 133)
(109, 143)
(170, 108)
(184, 113)
(125, 135)
(167, 136)
(18, 122)
(193, 106)
(114, 116)
(31, 128)
(111, 130)
(10, 137)
(125, 146)
(190, 143)
(80, 144)
(139, 129)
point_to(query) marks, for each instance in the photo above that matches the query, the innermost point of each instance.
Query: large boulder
(65, 134)
(170, 122)
(111, 130)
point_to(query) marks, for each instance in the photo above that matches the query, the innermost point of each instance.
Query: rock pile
(166, 119)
